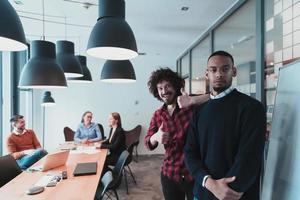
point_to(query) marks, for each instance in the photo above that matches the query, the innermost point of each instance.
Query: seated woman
(87, 131)
(116, 140)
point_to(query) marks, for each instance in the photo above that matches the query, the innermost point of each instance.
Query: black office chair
(105, 181)
(133, 137)
(117, 172)
(128, 170)
(9, 169)
(102, 131)
(69, 134)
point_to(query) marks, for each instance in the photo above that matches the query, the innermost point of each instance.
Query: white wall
(133, 101)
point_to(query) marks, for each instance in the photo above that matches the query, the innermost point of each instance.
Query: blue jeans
(28, 160)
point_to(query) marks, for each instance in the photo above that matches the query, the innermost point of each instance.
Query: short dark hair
(221, 53)
(165, 74)
(15, 118)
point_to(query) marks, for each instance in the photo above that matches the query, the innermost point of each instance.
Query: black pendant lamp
(48, 99)
(86, 72)
(112, 37)
(118, 71)
(12, 36)
(67, 60)
(42, 70)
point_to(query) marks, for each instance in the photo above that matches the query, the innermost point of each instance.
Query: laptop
(88, 168)
(52, 160)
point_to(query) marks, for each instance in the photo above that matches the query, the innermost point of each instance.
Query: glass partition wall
(262, 36)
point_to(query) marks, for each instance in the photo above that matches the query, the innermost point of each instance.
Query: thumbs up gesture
(160, 136)
(184, 100)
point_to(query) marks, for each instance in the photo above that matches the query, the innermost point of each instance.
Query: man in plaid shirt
(168, 126)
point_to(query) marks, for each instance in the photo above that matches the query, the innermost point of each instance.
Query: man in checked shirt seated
(168, 126)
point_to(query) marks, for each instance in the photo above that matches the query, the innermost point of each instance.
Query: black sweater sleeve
(247, 163)
(192, 155)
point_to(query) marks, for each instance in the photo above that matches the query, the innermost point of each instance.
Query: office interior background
(262, 35)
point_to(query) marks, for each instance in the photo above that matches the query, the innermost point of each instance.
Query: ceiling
(161, 28)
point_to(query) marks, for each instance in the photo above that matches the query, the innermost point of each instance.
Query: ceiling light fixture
(112, 37)
(118, 71)
(184, 8)
(42, 71)
(12, 36)
(67, 60)
(86, 78)
(48, 100)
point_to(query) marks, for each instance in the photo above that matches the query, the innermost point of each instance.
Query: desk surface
(75, 188)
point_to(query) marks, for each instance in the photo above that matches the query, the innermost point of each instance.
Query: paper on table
(85, 149)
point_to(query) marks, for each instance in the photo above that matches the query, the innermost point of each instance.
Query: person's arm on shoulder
(185, 100)
(99, 137)
(149, 140)
(248, 161)
(12, 149)
(36, 142)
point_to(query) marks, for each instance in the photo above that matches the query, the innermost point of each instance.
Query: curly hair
(165, 74)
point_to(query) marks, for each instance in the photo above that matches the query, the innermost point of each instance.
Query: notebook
(82, 169)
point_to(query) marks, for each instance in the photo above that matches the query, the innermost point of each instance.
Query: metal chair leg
(116, 194)
(126, 183)
(131, 174)
(136, 154)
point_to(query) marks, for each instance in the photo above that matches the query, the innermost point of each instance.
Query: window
(200, 53)
(282, 46)
(237, 36)
(13, 101)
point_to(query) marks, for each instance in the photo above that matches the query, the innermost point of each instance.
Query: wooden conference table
(75, 188)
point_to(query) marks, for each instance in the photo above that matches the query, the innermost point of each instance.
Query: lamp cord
(65, 27)
(43, 19)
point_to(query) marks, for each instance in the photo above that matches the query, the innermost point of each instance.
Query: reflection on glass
(185, 65)
(282, 41)
(199, 62)
(237, 36)
(282, 175)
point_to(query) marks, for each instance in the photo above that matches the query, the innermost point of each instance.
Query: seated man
(23, 144)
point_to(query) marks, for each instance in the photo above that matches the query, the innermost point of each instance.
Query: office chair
(105, 181)
(102, 131)
(133, 137)
(69, 134)
(117, 172)
(125, 171)
(9, 169)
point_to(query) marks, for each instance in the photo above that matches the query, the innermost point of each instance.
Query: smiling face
(219, 72)
(112, 121)
(166, 92)
(20, 124)
(88, 118)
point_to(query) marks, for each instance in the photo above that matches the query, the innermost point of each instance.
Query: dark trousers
(176, 190)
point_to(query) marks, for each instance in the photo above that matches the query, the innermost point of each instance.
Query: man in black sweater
(225, 140)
